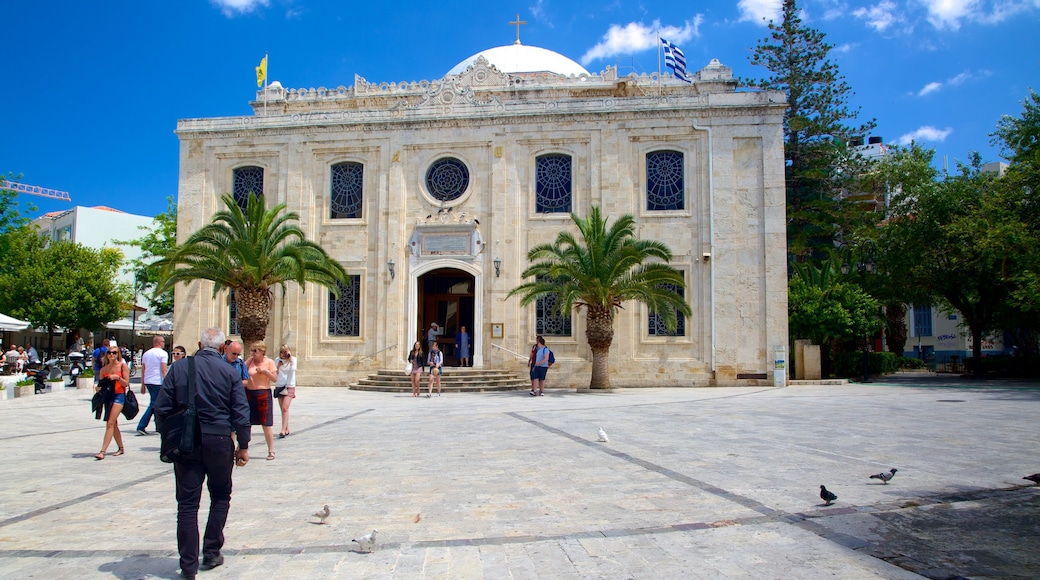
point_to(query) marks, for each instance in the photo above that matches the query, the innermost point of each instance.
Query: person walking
(285, 386)
(100, 357)
(262, 371)
(435, 361)
(220, 402)
(541, 366)
(116, 371)
(153, 371)
(462, 346)
(415, 357)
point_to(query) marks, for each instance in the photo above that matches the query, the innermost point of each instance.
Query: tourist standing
(462, 346)
(435, 361)
(416, 357)
(541, 365)
(533, 358)
(114, 370)
(153, 371)
(220, 401)
(262, 371)
(233, 356)
(285, 386)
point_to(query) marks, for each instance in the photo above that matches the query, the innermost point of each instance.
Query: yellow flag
(261, 72)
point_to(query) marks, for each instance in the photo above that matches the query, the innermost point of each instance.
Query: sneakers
(211, 563)
(142, 432)
(541, 394)
(534, 394)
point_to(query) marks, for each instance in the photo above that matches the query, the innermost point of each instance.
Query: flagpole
(267, 65)
(660, 90)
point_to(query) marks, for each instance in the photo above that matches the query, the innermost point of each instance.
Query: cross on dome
(517, 22)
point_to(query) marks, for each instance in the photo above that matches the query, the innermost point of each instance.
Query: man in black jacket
(220, 401)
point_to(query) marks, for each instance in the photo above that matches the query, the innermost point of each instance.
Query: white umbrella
(123, 324)
(8, 323)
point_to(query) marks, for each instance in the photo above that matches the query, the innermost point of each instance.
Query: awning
(8, 323)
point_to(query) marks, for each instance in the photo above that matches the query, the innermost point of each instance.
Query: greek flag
(675, 60)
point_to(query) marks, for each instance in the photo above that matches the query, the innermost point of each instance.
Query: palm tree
(249, 253)
(600, 273)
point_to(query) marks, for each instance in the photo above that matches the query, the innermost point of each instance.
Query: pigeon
(323, 514)
(367, 542)
(885, 476)
(418, 518)
(1035, 478)
(603, 436)
(827, 496)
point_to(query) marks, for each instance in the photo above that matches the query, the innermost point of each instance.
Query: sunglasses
(178, 354)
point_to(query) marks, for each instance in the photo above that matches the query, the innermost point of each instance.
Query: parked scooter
(49, 370)
(77, 364)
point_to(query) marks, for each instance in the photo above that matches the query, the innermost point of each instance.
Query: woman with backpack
(540, 367)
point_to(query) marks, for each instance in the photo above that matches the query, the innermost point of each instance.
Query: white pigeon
(321, 515)
(603, 436)
(367, 542)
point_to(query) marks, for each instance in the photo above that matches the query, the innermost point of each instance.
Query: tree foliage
(250, 252)
(816, 130)
(599, 272)
(60, 285)
(826, 308)
(158, 241)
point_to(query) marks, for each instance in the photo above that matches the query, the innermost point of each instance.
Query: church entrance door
(446, 298)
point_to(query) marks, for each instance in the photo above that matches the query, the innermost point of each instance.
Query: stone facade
(728, 237)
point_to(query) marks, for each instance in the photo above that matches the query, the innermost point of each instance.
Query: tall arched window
(246, 181)
(657, 327)
(664, 181)
(347, 190)
(547, 320)
(345, 312)
(553, 183)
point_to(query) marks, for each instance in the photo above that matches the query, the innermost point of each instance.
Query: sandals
(119, 452)
(100, 456)
(270, 455)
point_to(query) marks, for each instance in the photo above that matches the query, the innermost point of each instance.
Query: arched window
(664, 181)
(656, 324)
(347, 190)
(232, 313)
(553, 183)
(547, 320)
(345, 311)
(246, 181)
(447, 179)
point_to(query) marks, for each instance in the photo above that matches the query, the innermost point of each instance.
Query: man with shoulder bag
(221, 408)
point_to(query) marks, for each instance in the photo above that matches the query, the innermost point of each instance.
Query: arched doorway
(447, 297)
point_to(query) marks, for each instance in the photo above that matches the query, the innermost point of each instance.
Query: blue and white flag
(675, 60)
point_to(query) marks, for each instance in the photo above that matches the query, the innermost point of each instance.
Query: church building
(431, 193)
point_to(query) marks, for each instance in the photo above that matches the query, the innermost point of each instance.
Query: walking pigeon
(885, 476)
(367, 542)
(603, 436)
(1035, 478)
(827, 496)
(323, 514)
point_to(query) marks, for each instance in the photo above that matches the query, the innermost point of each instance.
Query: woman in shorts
(115, 370)
(285, 386)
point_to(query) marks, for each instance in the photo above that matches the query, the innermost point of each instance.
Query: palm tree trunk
(599, 332)
(254, 313)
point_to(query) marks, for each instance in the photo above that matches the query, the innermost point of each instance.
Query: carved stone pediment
(483, 74)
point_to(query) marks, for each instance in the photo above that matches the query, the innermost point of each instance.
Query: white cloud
(949, 14)
(232, 7)
(880, 16)
(636, 36)
(929, 88)
(926, 133)
(760, 11)
(959, 79)
(845, 48)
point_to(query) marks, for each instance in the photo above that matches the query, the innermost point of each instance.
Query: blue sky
(93, 90)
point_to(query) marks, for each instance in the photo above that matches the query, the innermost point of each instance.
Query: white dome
(518, 59)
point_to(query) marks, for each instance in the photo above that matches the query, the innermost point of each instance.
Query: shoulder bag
(178, 428)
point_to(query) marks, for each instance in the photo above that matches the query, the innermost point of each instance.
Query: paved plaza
(693, 483)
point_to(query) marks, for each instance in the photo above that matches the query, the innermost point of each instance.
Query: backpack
(552, 358)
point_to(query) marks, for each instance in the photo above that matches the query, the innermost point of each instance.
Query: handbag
(408, 369)
(280, 391)
(130, 407)
(177, 429)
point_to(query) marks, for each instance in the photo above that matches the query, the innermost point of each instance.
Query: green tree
(11, 216)
(825, 307)
(249, 253)
(60, 285)
(157, 242)
(960, 241)
(607, 267)
(819, 165)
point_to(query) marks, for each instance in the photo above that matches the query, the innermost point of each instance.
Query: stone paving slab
(694, 483)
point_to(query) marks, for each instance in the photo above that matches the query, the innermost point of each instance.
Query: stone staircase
(454, 380)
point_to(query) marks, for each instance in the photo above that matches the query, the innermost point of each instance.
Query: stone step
(454, 380)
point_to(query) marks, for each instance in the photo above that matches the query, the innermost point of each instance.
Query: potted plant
(24, 387)
(85, 380)
(56, 384)
(6, 391)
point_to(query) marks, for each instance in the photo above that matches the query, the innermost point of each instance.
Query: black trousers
(211, 462)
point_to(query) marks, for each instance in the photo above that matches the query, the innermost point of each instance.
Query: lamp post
(865, 266)
(133, 325)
